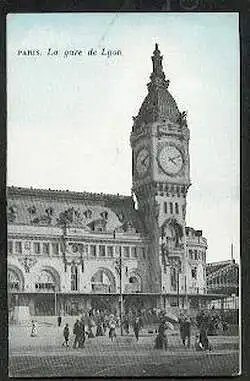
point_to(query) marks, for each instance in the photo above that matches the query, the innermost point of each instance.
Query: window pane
(18, 247)
(37, 248)
(93, 250)
(195, 254)
(45, 248)
(110, 251)
(55, 248)
(171, 207)
(102, 251)
(126, 251)
(176, 208)
(10, 247)
(134, 252)
(165, 207)
(143, 252)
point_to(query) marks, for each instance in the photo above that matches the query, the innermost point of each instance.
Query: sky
(70, 116)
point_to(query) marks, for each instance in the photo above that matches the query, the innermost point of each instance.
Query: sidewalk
(51, 338)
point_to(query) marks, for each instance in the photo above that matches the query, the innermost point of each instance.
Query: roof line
(12, 190)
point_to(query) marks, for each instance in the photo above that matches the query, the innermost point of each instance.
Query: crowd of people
(202, 325)
(103, 323)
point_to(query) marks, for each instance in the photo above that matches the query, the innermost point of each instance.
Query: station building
(72, 251)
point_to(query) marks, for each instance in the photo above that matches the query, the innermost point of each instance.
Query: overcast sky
(69, 119)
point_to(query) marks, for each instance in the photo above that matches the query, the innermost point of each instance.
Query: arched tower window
(173, 278)
(176, 208)
(74, 280)
(171, 207)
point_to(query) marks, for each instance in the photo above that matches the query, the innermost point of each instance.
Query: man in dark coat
(137, 326)
(66, 335)
(186, 331)
(59, 321)
(77, 333)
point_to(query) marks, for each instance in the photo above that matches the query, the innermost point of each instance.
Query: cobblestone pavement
(45, 356)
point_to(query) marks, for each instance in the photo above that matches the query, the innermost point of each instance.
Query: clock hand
(144, 160)
(172, 160)
(176, 157)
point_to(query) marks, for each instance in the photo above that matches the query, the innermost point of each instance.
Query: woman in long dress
(112, 327)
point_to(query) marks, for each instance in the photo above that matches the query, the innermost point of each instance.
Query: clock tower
(161, 178)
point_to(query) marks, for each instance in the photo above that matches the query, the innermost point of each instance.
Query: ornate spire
(157, 63)
(159, 103)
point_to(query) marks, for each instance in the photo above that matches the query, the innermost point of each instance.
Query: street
(45, 356)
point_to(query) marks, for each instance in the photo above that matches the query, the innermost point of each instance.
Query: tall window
(171, 207)
(110, 251)
(37, 247)
(93, 250)
(126, 251)
(18, 247)
(191, 254)
(133, 252)
(46, 248)
(55, 248)
(195, 255)
(143, 252)
(194, 272)
(102, 251)
(74, 282)
(173, 278)
(10, 247)
(165, 207)
(176, 208)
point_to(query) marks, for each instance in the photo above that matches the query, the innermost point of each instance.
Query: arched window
(165, 207)
(135, 284)
(176, 208)
(14, 283)
(171, 207)
(103, 281)
(45, 282)
(173, 278)
(74, 280)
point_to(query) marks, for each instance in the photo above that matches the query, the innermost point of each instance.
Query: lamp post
(118, 268)
(55, 300)
(121, 296)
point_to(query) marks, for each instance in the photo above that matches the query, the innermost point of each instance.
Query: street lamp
(118, 267)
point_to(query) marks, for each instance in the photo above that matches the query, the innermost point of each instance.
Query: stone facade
(69, 251)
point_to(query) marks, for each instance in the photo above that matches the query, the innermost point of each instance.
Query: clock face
(170, 159)
(142, 162)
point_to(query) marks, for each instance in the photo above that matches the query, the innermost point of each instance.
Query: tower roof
(159, 104)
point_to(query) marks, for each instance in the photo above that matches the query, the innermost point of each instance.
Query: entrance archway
(47, 284)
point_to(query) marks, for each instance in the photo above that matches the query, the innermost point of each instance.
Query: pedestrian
(59, 321)
(33, 329)
(126, 324)
(105, 325)
(186, 331)
(82, 333)
(66, 335)
(77, 333)
(161, 341)
(99, 328)
(181, 323)
(198, 345)
(112, 327)
(137, 327)
(203, 335)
